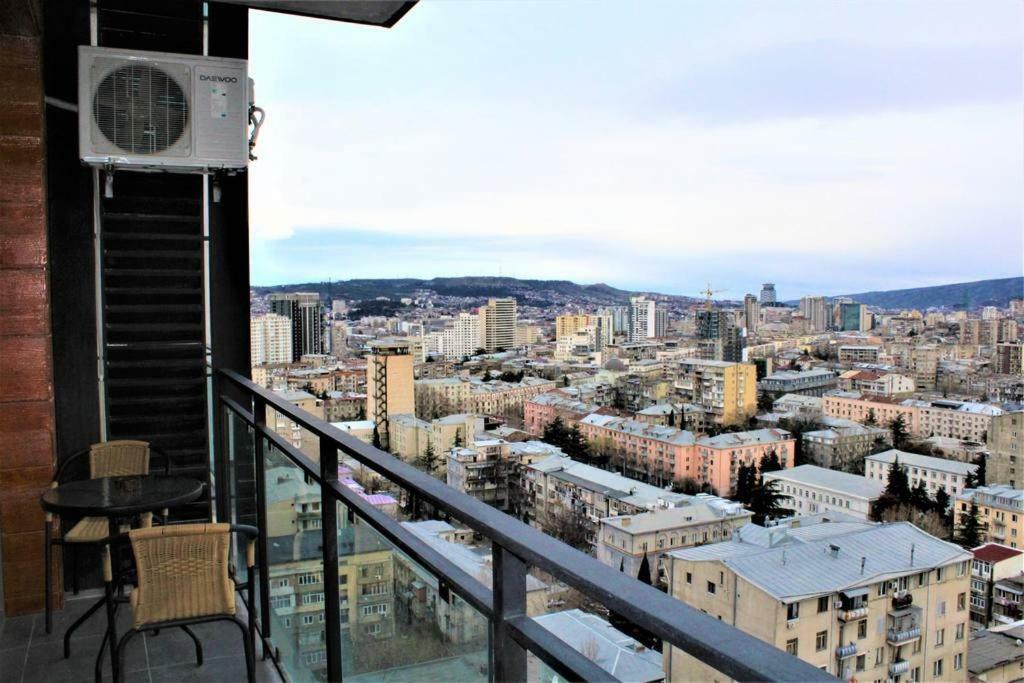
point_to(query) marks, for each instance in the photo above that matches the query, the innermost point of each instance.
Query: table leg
(78, 622)
(109, 578)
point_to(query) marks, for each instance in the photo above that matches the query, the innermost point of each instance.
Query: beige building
(727, 391)
(1000, 511)
(880, 602)
(409, 436)
(859, 353)
(270, 339)
(389, 383)
(625, 540)
(498, 325)
(964, 420)
(996, 656)
(1009, 359)
(1006, 449)
(440, 397)
(934, 473)
(923, 363)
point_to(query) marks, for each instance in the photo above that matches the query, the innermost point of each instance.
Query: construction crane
(709, 304)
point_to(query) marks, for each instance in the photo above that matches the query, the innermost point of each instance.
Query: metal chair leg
(199, 646)
(48, 568)
(74, 569)
(250, 655)
(119, 654)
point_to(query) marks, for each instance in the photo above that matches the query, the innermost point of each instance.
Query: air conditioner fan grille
(140, 109)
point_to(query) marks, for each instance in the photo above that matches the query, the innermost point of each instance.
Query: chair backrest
(118, 459)
(182, 572)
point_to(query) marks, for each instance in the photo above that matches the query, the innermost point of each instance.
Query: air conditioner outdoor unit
(158, 111)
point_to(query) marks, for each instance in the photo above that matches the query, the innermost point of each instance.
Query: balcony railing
(846, 651)
(894, 637)
(515, 548)
(852, 614)
(899, 668)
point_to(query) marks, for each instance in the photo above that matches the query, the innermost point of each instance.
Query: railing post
(259, 415)
(329, 524)
(509, 591)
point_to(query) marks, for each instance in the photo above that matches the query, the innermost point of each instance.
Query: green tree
(671, 421)
(898, 428)
(376, 438)
(977, 478)
(919, 497)
(565, 381)
(765, 403)
(644, 573)
(766, 501)
(687, 485)
(971, 529)
(746, 482)
(428, 461)
(457, 441)
(770, 462)
(870, 420)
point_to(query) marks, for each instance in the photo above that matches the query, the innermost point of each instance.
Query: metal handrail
(716, 644)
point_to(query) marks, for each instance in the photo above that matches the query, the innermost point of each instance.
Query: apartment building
(718, 458)
(625, 540)
(888, 602)
(389, 383)
(543, 409)
(726, 391)
(439, 397)
(558, 485)
(1000, 511)
(461, 338)
(409, 437)
(270, 339)
(859, 353)
(481, 471)
(423, 599)
(498, 325)
(1009, 359)
(1006, 448)
(643, 450)
(993, 563)
(798, 406)
(841, 443)
(812, 490)
(814, 382)
(964, 420)
(646, 319)
(935, 473)
(923, 363)
(888, 384)
(305, 312)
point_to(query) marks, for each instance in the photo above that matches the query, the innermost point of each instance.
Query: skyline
(830, 148)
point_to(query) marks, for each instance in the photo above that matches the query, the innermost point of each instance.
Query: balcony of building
(123, 362)
(898, 668)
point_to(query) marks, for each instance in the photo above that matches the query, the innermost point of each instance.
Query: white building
(813, 490)
(646, 320)
(935, 472)
(461, 338)
(270, 339)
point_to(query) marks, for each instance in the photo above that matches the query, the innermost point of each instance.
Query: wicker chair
(107, 459)
(184, 578)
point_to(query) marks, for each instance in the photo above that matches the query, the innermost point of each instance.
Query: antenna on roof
(863, 561)
(783, 557)
(911, 554)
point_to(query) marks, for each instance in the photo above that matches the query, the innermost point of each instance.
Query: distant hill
(965, 295)
(531, 292)
(557, 292)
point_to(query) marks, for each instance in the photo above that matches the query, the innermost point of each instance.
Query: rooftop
(609, 648)
(696, 512)
(749, 438)
(994, 552)
(832, 480)
(990, 649)
(924, 461)
(670, 435)
(609, 484)
(800, 570)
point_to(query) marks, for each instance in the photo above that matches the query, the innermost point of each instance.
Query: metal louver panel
(140, 108)
(154, 331)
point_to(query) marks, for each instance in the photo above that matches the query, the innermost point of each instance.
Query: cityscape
(402, 341)
(835, 478)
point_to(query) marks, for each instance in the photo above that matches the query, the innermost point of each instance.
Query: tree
(457, 441)
(898, 427)
(428, 461)
(971, 529)
(687, 485)
(941, 502)
(926, 520)
(376, 438)
(644, 573)
(746, 482)
(977, 478)
(766, 501)
(565, 381)
(671, 421)
(870, 420)
(919, 497)
(770, 462)
(898, 485)
(765, 403)
(568, 526)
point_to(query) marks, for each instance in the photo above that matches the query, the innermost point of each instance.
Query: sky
(828, 146)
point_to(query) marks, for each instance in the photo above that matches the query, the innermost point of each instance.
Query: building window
(940, 637)
(958, 661)
(959, 631)
(862, 661)
(792, 646)
(793, 611)
(823, 604)
(711, 587)
(961, 602)
(313, 598)
(820, 641)
(689, 577)
(937, 668)
(862, 629)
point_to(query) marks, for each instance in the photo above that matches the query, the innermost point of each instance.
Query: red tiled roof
(993, 552)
